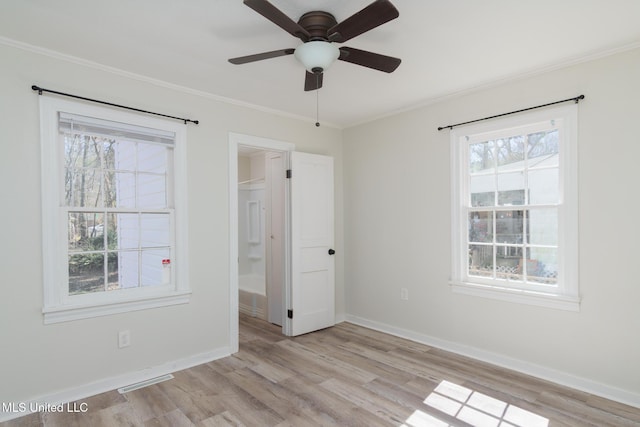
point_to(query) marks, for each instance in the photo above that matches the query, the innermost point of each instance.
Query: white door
(312, 262)
(275, 240)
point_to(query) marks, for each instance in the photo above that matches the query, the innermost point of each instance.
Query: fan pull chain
(317, 99)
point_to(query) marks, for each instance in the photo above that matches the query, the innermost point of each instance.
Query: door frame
(235, 140)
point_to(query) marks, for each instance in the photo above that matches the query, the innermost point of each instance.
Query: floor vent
(145, 383)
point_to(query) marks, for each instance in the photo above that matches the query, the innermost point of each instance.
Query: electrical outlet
(404, 294)
(124, 339)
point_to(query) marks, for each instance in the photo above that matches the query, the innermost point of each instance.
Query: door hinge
(290, 314)
(288, 173)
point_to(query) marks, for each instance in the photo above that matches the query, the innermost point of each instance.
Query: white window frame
(58, 305)
(566, 294)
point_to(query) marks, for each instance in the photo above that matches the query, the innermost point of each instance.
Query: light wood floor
(347, 376)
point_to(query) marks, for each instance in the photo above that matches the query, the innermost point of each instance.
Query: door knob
(331, 252)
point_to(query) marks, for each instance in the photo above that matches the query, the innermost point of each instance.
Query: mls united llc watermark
(24, 407)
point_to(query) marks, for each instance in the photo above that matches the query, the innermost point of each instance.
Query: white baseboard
(249, 310)
(113, 383)
(583, 384)
(252, 304)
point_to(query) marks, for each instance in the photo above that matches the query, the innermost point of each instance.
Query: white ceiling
(446, 46)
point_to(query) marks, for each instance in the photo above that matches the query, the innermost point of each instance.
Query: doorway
(258, 233)
(261, 227)
(302, 257)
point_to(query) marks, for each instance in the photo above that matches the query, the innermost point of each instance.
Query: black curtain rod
(575, 99)
(40, 90)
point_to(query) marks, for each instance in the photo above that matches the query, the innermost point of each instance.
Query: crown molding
(150, 80)
(570, 62)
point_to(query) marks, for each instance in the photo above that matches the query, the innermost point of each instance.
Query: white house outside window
(515, 209)
(113, 189)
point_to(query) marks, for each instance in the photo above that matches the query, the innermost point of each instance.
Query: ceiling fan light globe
(317, 54)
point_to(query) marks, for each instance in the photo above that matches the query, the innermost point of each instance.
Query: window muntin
(514, 205)
(519, 169)
(116, 185)
(113, 183)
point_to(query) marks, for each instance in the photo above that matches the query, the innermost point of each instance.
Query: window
(514, 200)
(113, 193)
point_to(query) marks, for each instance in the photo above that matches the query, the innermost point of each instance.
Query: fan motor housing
(317, 24)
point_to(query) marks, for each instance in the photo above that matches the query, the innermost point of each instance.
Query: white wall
(38, 360)
(397, 232)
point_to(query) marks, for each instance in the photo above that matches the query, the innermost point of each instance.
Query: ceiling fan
(319, 31)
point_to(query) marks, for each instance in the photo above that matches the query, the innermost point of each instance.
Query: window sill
(68, 313)
(560, 302)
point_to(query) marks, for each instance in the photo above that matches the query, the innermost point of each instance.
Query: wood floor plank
(271, 368)
(408, 398)
(280, 358)
(400, 394)
(459, 369)
(346, 375)
(223, 419)
(417, 368)
(117, 415)
(587, 413)
(332, 409)
(246, 411)
(283, 400)
(610, 406)
(331, 365)
(175, 418)
(31, 420)
(195, 406)
(150, 402)
(380, 370)
(388, 411)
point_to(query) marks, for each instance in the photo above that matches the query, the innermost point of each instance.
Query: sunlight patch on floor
(473, 408)
(421, 419)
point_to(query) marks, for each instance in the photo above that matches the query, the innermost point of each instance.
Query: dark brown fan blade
(273, 14)
(388, 64)
(261, 56)
(313, 81)
(377, 13)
